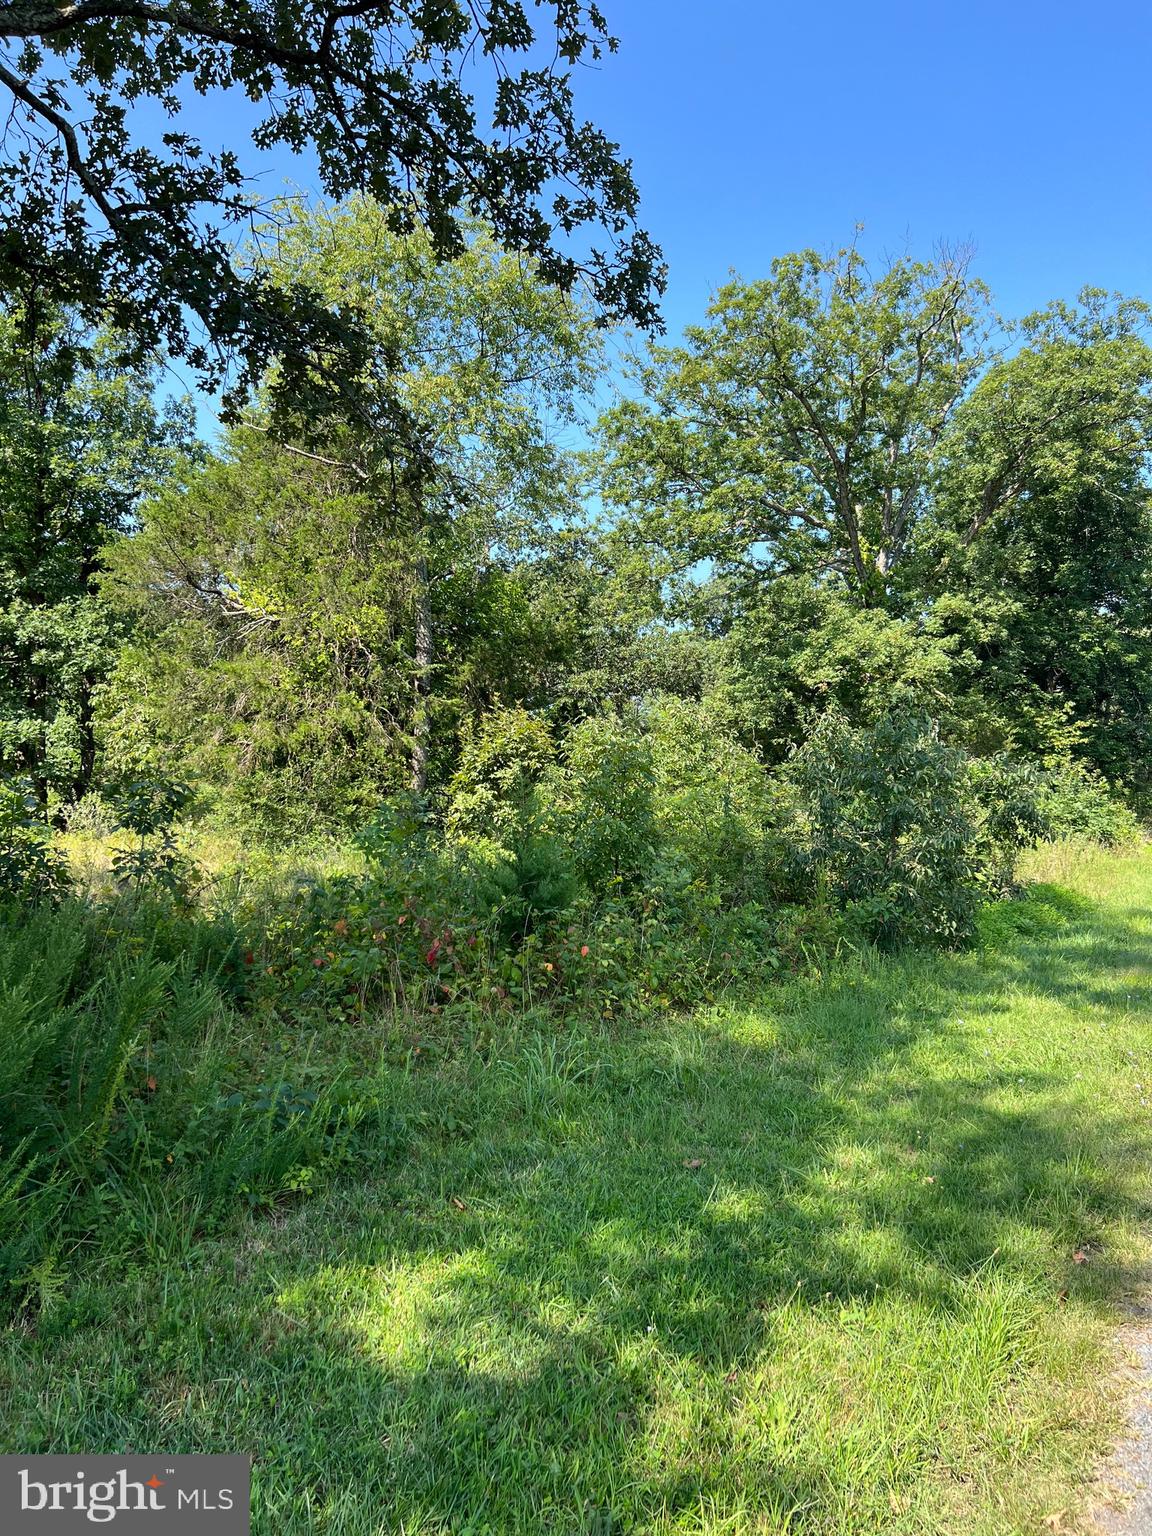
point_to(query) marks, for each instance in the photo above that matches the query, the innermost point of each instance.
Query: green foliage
(799, 430)
(91, 815)
(502, 759)
(834, 480)
(890, 828)
(599, 800)
(721, 821)
(534, 885)
(148, 807)
(1043, 526)
(815, 1227)
(383, 101)
(265, 666)
(126, 1088)
(1077, 801)
(82, 438)
(1009, 794)
(319, 620)
(30, 870)
(643, 862)
(803, 648)
(866, 619)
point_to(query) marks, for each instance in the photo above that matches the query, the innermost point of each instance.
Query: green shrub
(891, 829)
(91, 814)
(1008, 795)
(30, 870)
(600, 801)
(147, 806)
(502, 760)
(1077, 801)
(717, 813)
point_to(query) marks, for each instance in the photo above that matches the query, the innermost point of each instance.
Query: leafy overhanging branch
(380, 92)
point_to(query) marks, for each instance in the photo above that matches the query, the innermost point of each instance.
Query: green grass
(802, 1267)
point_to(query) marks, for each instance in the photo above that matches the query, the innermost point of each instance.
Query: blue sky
(1023, 128)
(759, 128)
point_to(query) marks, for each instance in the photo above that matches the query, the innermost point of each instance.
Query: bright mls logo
(64, 1494)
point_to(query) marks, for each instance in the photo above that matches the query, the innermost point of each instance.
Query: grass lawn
(842, 1261)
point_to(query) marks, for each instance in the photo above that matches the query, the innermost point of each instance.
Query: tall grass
(135, 1106)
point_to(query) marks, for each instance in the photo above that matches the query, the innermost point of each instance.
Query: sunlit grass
(222, 859)
(808, 1266)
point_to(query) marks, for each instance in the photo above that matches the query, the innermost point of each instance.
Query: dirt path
(1123, 1504)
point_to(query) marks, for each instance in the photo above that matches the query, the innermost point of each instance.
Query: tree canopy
(341, 603)
(434, 110)
(83, 439)
(849, 493)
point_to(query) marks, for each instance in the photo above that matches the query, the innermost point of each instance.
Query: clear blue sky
(757, 128)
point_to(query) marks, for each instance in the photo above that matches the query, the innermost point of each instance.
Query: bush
(717, 813)
(599, 801)
(1077, 801)
(30, 870)
(1008, 794)
(501, 762)
(890, 828)
(90, 816)
(148, 806)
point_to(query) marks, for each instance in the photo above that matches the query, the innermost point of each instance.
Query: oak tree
(434, 109)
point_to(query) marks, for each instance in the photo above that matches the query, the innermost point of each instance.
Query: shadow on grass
(639, 1290)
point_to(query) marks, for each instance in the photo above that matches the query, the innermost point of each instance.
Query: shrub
(890, 827)
(30, 870)
(501, 761)
(717, 813)
(1008, 794)
(147, 807)
(1077, 801)
(599, 801)
(533, 885)
(91, 815)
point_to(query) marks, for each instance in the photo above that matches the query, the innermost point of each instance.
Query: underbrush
(140, 1109)
(840, 1260)
(190, 1027)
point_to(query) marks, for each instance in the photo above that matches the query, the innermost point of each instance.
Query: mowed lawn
(843, 1261)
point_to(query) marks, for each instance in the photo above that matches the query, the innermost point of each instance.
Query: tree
(82, 439)
(380, 92)
(482, 362)
(800, 430)
(839, 478)
(1042, 534)
(266, 656)
(802, 650)
(335, 607)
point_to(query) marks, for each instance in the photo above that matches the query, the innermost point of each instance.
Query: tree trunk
(422, 678)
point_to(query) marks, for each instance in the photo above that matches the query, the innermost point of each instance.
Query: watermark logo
(67, 1494)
